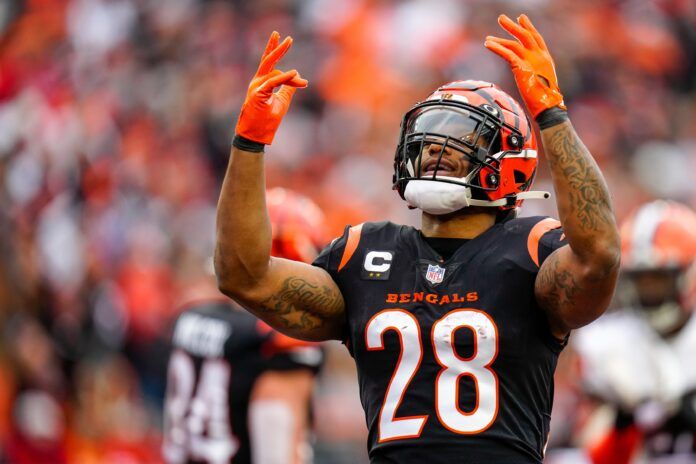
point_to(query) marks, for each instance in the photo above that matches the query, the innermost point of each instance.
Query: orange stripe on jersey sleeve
(351, 244)
(538, 231)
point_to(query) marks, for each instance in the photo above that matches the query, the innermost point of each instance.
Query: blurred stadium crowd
(115, 123)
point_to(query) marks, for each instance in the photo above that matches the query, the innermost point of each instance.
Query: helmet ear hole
(520, 177)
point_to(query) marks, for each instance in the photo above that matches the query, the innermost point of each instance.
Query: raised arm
(576, 282)
(295, 298)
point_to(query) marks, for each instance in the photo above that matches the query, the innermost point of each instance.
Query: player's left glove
(531, 64)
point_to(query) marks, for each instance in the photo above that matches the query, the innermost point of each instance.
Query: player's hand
(531, 64)
(263, 108)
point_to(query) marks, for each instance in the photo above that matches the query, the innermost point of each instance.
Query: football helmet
(297, 225)
(658, 249)
(485, 124)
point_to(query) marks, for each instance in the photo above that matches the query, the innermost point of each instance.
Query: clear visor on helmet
(459, 128)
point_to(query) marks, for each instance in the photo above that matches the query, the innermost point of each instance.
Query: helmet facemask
(472, 131)
(462, 127)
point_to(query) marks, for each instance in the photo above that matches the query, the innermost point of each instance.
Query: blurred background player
(640, 359)
(238, 391)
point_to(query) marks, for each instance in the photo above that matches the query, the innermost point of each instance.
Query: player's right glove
(263, 109)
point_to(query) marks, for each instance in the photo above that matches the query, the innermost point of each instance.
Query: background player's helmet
(481, 121)
(297, 224)
(658, 249)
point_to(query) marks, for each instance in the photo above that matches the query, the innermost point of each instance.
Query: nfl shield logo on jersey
(435, 273)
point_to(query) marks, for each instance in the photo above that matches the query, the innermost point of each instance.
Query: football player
(455, 328)
(639, 360)
(238, 391)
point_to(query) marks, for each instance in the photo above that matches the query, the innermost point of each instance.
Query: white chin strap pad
(436, 197)
(443, 198)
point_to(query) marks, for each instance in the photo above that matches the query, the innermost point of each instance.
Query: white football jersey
(625, 362)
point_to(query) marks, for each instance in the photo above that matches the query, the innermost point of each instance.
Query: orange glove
(531, 64)
(263, 109)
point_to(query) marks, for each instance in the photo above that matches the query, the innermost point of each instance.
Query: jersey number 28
(477, 367)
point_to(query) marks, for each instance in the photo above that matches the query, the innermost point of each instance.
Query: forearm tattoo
(291, 304)
(588, 194)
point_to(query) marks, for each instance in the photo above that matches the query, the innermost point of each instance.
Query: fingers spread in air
(272, 43)
(517, 31)
(527, 24)
(270, 60)
(507, 54)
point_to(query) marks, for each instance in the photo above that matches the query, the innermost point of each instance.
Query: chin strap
(445, 197)
(510, 201)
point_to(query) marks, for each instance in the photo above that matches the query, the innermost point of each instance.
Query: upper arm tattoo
(300, 304)
(588, 194)
(556, 287)
(569, 295)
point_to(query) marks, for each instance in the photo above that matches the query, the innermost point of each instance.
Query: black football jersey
(455, 359)
(218, 352)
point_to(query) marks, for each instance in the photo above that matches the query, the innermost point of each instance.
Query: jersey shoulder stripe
(532, 239)
(338, 254)
(352, 242)
(538, 230)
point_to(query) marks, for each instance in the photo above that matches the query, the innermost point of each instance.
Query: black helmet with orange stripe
(484, 123)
